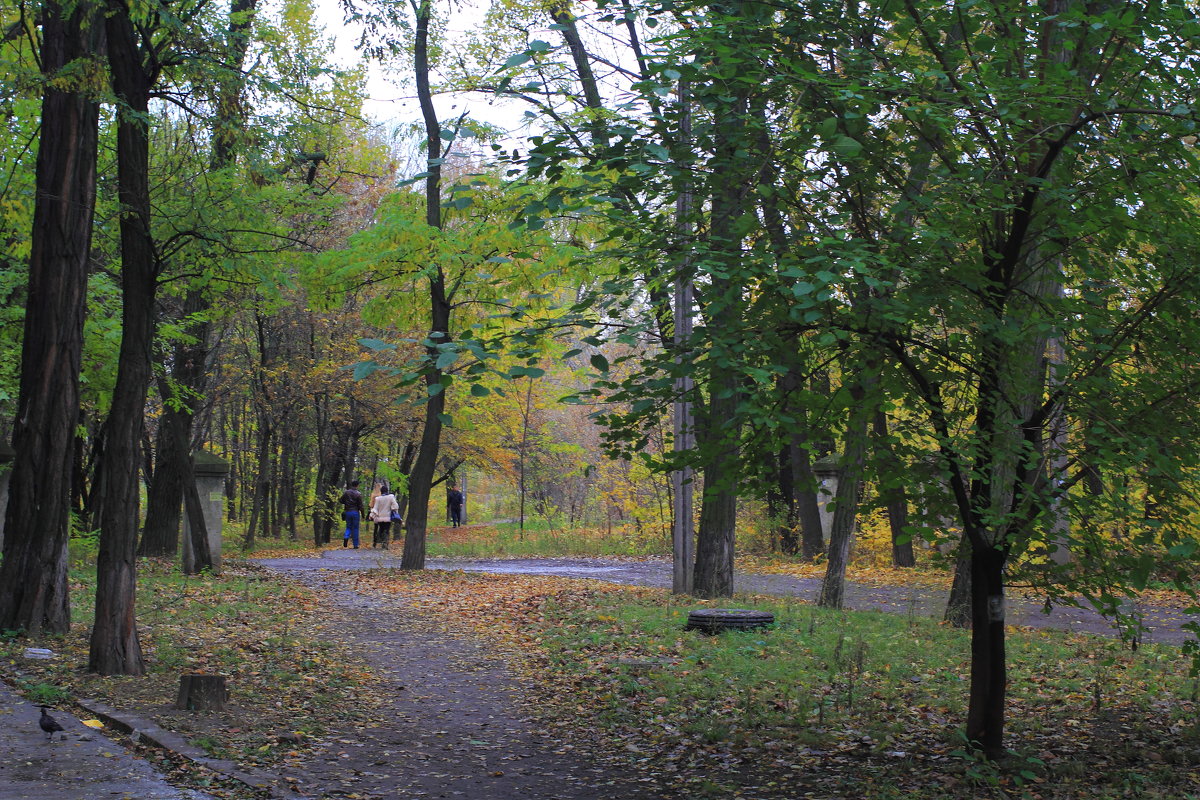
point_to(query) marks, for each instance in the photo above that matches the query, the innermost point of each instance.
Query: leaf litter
(630, 704)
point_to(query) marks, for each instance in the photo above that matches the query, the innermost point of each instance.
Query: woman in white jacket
(384, 511)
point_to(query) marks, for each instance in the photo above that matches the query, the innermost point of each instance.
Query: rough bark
(798, 482)
(173, 470)
(33, 575)
(715, 535)
(989, 672)
(958, 607)
(202, 692)
(114, 646)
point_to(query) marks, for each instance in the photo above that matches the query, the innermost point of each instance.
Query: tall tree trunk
(802, 491)
(989, 673)
(597, 126)
(173, 470)
(894, 497)
(405, 468)
(845, 512)
(33, 575)
(114, 647)
(958, 607)
(715, 536)
(262, 484)
(421, 480)
(160, 534)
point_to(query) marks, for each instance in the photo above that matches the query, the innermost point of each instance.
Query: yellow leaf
(93, 723)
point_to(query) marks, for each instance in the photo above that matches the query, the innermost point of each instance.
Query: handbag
(396, 516)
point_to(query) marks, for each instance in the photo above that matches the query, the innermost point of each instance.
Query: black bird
(49, 724)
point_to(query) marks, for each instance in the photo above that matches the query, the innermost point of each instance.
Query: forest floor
(352, 680)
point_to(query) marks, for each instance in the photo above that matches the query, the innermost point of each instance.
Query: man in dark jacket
(352, 503)
(454, 500)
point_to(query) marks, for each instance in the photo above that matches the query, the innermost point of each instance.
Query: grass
(840, 704)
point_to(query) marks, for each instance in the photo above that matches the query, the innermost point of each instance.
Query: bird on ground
(49, 724)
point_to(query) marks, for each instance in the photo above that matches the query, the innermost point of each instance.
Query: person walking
(454, 500)
(384, 511)
(352, 503)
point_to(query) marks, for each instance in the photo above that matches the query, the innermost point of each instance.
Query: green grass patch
(878, 701)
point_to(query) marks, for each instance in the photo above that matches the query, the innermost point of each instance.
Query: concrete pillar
(828, 472)
(7, 455)
(210, 472)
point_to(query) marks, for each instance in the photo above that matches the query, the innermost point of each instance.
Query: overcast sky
(392, 101)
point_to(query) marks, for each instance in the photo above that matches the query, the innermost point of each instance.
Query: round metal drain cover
(715, 620)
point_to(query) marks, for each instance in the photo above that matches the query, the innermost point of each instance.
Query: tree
(182, 388)
(421, 479)
(134, 66)
(954, 180)
(33, 576)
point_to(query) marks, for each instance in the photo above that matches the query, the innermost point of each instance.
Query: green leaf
(364, 368)
(600, 362)
(479, 390)
(447, 358)
(846, 147)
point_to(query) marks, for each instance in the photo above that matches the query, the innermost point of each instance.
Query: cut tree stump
(715, 620)
(200, 692)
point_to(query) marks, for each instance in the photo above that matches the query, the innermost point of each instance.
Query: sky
(390, 101)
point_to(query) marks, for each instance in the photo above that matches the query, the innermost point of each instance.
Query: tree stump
(200, 692)
(715, 620)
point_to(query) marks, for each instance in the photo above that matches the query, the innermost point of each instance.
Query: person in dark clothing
(454, 500)
(352, 502)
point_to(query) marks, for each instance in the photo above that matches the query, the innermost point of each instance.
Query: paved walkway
(79, 764)
(1161, 623)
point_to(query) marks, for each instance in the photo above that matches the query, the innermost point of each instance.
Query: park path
(1160, 623)
(456, 722)
(79, 764)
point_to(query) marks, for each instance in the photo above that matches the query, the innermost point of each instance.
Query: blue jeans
(352, 518)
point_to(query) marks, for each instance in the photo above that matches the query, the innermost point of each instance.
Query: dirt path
(1161, 623)
(455, 727)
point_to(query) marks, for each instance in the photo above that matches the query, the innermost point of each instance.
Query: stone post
(210, 472)
(7, 456)
(827, 471)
